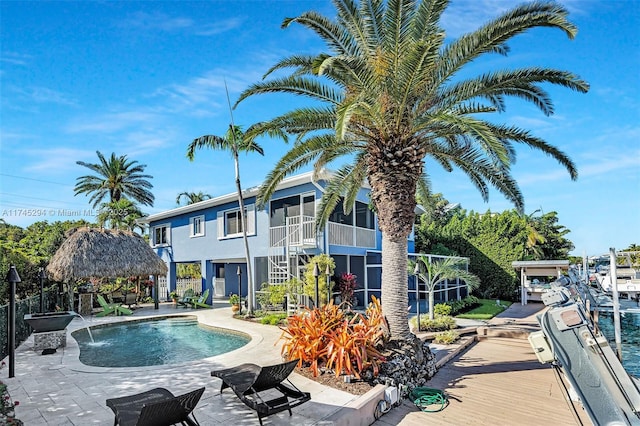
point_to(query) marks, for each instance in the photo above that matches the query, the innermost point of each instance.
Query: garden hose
(424, 398)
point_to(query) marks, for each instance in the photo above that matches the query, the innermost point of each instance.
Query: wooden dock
(497, 381)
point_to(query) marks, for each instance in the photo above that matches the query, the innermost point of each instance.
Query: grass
(488, 309)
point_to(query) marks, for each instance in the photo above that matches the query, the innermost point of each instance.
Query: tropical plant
(234, 141)
(192, 197)
(116, 178)
(121, 214)
(326, 336)
(234, 299)
(433, 271)
(446, 337)
(346, 285)
(392, 92)
(323, 261)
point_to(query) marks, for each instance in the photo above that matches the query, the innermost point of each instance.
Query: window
(161, 235)
(233, 223)
(230, 223)
(364, 216)
(338, 215)
(197, 226)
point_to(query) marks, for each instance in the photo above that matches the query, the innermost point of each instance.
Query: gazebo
(88, 252)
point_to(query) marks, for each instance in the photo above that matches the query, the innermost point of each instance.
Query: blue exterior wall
(214, 253)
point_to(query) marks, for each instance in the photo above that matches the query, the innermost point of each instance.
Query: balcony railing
(348, 235)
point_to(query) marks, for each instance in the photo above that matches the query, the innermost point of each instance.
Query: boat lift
(570, 342)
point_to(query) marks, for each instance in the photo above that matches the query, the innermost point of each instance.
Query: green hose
(424, 398)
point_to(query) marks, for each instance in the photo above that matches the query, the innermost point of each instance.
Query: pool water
(630, 338)
(170, 340)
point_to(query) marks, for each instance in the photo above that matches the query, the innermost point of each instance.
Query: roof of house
(223, 199)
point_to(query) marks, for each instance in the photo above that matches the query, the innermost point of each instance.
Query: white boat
(627, 276)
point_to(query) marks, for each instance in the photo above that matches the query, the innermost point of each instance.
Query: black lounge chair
(256, 386)
(156, 407)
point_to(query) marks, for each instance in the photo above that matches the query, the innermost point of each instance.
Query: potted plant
(174, 296)
(234, 301)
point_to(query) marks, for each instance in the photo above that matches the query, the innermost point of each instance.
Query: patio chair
(155, 407)
(111, 308)
(201, 302)
(263, 389)
(130, 299)
(187, 297)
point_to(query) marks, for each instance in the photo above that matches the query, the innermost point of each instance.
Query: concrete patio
(58, 389)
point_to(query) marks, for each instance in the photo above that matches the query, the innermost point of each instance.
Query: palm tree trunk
(395, 299)
(431, 302)
(244, 237)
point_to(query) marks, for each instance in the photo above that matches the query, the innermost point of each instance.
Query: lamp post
(239, 272)
(416, 271)
(327, 272)
(13, 278)
(42, 277)
(316, 274)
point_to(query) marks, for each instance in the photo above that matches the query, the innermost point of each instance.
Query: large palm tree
(391, 92)
(234, 141)
(115, 178)
(432, 272)
(192, 197)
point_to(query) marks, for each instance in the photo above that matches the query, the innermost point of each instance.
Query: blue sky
(143, 79)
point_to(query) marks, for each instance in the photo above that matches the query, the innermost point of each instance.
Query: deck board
(498, 381)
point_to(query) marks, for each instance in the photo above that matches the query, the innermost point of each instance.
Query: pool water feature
(158, 341)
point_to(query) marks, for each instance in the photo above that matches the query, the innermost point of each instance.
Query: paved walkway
(497, 381)
(59, 390)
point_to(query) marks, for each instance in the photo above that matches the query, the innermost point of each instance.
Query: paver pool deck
(58, 389)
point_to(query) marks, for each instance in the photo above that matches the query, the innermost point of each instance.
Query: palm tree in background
(115, 178)
(192, 197)
(234, 141)
(433, 271)
(391, 93)
(121, 214)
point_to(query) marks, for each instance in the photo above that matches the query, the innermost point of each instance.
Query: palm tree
(235, 141)
(431, 273)
(192, 197)
(116, 178)
(391, 93)
(121, 214)
(532, 248)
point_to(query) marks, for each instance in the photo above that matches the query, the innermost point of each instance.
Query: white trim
(167, 235)
(250, 216)
(192, 225)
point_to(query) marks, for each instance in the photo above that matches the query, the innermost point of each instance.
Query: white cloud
(110, 122)
(157, 21)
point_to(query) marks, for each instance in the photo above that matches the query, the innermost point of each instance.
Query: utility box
(391, 395)
(541, 348)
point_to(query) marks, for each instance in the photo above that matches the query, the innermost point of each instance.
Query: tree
(532, 248)
(391, 93)
(234, 141)
(121, 214)
(433, 272)
(192, 197)
(116, 178)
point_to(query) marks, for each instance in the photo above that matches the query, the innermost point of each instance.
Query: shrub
(346, 286)
(442, 309)
(446, 337)
(7, 405)
(458, 306)
(326, 336)
(273, 319)
(440, 323)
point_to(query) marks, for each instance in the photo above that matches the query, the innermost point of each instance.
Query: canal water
(630, 335)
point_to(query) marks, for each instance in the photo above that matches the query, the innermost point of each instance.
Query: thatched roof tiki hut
(102, 253)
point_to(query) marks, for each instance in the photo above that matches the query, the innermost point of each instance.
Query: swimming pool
(157, 341)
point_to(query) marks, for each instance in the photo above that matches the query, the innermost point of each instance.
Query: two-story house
(281, 236)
